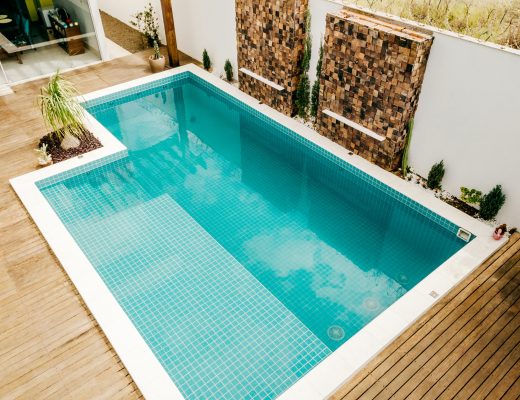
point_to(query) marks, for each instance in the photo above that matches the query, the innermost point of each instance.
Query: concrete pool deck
(21, 279)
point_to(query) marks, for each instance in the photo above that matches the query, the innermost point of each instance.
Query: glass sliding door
(38, 37)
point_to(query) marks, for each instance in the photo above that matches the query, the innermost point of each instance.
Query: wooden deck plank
(486, 384)
(501, 361)
(468, 338)
(489, 332)
(422, 346)
(449, 346)
(50, 345)
(370, 376)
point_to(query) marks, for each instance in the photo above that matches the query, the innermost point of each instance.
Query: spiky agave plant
(61, 110)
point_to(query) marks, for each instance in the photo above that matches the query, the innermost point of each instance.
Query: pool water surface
(243, 254)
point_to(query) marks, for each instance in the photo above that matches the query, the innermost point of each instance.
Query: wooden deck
(51, 347)
(466, 347)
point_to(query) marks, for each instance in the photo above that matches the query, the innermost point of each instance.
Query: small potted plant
(62, 111)
(44, 158)
(157, 60)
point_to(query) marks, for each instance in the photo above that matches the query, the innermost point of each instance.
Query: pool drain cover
(336, 332)
(403, 278)
(371, 304)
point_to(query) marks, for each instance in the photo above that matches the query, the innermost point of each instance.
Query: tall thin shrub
(303, 90)
(435, 175)
(492, 202)
(406, 151)
(147, 23)
(302, 96)
(315, 95)
(206, 61)
(228, 69)
(60, 108)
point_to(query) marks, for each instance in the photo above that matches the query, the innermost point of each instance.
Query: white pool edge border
(325, 378)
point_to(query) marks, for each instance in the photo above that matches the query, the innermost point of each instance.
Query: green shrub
(303, 91)
(156, 51)
(315, 95)
(491, 203)
(471, 196)
(404, 159)
(493, 20)
(302, 96)
(228, 69)
(435, 176)
(147, 23)
(206, 61)
(60, 108)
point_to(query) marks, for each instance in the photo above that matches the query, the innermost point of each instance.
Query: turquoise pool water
(243, 254)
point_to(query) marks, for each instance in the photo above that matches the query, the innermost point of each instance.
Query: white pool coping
(325, 378)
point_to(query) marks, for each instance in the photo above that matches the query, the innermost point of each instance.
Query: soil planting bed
(88, 142)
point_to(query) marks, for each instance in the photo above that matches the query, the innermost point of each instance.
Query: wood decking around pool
(466, 347)
(51, 346)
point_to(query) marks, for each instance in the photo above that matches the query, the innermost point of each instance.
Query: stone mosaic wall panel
(372, 75)
(270, 37)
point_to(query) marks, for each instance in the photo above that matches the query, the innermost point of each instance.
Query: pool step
(202, 313)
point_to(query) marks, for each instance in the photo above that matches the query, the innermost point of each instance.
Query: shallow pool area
(243, 253)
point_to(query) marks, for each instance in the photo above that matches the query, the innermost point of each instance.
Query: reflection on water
(332, 248)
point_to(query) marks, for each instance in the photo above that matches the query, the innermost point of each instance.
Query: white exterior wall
(469, 115)
(207, 24)
(469, 108)
(124, 9)
(319, 9)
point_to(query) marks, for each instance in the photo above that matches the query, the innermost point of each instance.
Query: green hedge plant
(406, 151)
(491, 203)
(303, 90)
(315, 94)
(206, 61)
(61, 110)
(228, 69)
(471, 196)
(435, 175)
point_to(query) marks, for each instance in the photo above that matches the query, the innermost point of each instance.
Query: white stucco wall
(207, 24)
(124, 9)
(319, 9)
(469, 115)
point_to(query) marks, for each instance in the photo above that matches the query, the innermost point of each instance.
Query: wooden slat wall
(466, 347)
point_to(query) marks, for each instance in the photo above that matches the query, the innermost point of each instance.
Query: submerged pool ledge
(333, 371)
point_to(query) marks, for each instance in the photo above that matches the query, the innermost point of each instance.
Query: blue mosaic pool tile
(112, 100)
(293, 136)
(243, 253)
(99, 164)
(178, 267)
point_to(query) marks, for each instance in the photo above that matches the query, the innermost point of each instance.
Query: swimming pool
(244, 254)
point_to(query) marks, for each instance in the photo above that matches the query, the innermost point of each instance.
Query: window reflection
(37, 37)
